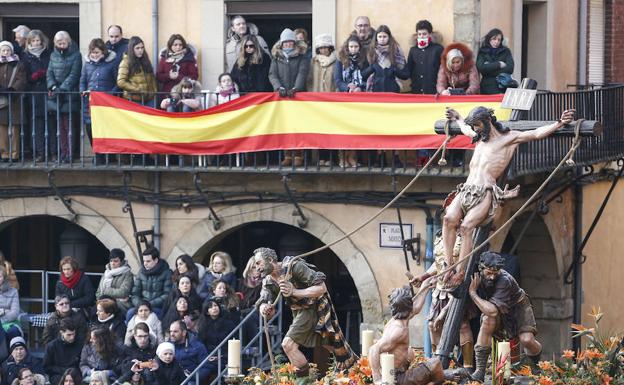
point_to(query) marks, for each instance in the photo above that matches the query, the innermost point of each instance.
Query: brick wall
(614, 41)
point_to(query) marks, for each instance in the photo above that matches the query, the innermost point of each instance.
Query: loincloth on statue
(439, 300)
(422, 374)
(520, 319)
(470, 195)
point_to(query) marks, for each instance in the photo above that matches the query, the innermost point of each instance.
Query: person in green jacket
(494, 58)
(117, 281)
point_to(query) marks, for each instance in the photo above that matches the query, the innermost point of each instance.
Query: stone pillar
(467, 23)
(212, 45)
(90, 16)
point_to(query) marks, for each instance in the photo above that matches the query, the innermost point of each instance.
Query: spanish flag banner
(265, 121)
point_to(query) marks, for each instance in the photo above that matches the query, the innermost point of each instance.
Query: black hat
(117, 253)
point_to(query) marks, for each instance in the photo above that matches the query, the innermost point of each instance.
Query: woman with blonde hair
(220, 267)
(11, 276)
(9, 306)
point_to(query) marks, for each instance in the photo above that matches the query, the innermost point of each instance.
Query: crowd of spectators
(153, 327)
(369, 60)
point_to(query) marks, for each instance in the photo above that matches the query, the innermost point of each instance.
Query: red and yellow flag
(264, 121)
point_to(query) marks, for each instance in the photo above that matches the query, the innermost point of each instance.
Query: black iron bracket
(216, 221)
(297, 212)
(405, 246)
(65, 201)
(408, 246)
(139, 236)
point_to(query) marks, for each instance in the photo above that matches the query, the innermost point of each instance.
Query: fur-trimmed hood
(466, 53)
(109, 58)
(177, 89)
(39, 379)
(300, 49)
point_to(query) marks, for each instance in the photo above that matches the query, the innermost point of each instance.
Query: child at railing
(226, 90)
(185, 96)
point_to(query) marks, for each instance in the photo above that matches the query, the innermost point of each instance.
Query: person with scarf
(348, 77)
(75, 285)
(457, 74)
(226, 90)
(12, 78)
(220, 267)
(423, 60)
(251, 70)
(321, 79)
(63, 78)
(493, 59)
(288, 74)
(108, 316)
(177, 61)
(99, 73)
(117, 281)
(36, 58)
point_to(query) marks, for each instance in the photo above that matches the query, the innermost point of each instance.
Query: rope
(366, 222)
(565, 161)
(442, 162)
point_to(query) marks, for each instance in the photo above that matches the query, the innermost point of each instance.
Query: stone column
(467, 22)
(90, 16)
(212, 40)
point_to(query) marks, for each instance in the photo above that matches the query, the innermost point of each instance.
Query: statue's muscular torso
(490, 158)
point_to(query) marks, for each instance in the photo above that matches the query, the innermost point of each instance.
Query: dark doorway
(291, 240)
(36, 244)
(270, 26)
(48, 26)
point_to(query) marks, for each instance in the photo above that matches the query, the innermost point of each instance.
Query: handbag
(4, 100)
(505, 80)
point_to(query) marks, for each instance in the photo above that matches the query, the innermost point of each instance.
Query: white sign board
(518, 99)
(390, 234)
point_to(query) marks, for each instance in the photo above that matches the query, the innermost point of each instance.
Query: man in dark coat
(153, 283)
(19, 358)
(189, 351)
(423, 61)
(117, 43)
(142, 348)
(63, 352)
(63, 311)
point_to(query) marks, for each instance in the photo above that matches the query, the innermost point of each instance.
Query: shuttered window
(596, 52)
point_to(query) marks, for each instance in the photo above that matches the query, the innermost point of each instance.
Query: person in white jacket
(144, 314)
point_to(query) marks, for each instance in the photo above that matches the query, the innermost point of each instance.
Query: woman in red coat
(176, 62)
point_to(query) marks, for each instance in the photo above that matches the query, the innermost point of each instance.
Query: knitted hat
(163, 347)
(287, 35)
(15, 342)
(117, 253)
(323, 40)
(7, 44)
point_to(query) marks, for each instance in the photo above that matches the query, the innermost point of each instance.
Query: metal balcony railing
(38, 142)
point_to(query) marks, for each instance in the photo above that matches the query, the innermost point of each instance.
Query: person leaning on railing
(135, 76)
(36, 59)
(63, 76)
(494, 59)
(185, 96)
(12, 78)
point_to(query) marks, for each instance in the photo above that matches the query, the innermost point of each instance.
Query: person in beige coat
(321, 78)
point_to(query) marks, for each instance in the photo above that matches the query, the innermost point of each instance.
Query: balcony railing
(38, 143)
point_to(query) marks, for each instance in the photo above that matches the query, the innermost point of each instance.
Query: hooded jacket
(99, 75)
(187, 67)
(119, 48)
(120, 287)
(488, 64)
(137, 87)
(152, 322)
(38, 378)
(289, 72)
(81, 296)
(63, 75)
(232, 45)
(253, 77)
(467, 77)
(423, 65)
(60, 356)
(321, 77)
(152, 285)
(132, 351)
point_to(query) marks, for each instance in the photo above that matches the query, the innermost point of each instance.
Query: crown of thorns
(479, 114)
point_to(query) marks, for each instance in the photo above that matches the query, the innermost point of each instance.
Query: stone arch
(544, 253)
(318, 226)
(87, 218)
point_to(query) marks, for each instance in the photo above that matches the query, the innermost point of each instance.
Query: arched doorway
(540, 276)
(286, 240)
(35, 244)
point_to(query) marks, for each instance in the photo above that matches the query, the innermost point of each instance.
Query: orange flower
(594, 354)
(524, 371)
(606, 379)
(581, 355)
(545, 380)
(367, 371)
(567, 355)
(545, 365)
(363, 361)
